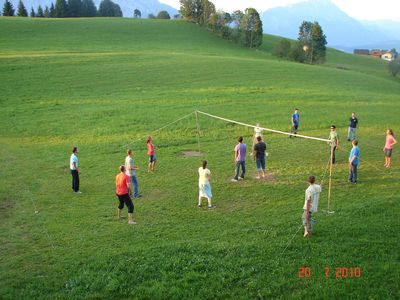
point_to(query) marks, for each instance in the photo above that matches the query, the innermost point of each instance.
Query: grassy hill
(104, 85)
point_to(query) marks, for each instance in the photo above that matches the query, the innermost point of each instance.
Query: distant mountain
(342, 31)
(146, 7)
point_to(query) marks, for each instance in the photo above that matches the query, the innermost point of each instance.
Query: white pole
(198, 131)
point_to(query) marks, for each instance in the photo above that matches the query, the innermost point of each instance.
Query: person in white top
(257, 132)
(204, 185)
(73, 166)
(310, 204)
(131, 172)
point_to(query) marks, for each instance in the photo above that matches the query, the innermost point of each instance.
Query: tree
(8, 9)
(137, 13)
(313, 42)
(108, 8)
(40, 13)
(297, 53)
(21, 11)
(32, 14)
(394, 67)
(52, 10)
(282, 49)
(208, 8)
(192, 10)
(74, 8)
(46, 12)
(61, 9)
(251, 27)
(151, 16)
(88, 8)
(163, 15)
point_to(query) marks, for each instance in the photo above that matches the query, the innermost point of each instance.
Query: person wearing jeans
(259, 157)
(353, 162)
(131, 172)
(240, 159)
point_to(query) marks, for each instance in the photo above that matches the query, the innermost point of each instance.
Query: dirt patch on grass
(192, 153)
(5, 208)
(7, 204)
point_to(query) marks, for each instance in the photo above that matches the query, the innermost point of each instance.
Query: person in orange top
(151, 154)
(390, 141)
(122, 184)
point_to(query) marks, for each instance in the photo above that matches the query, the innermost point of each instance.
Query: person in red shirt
(122, 184)
(151, 154)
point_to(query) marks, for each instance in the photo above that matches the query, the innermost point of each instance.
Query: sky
(358, 9)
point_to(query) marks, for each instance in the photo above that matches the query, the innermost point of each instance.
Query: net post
(330, 180)
(198, 130)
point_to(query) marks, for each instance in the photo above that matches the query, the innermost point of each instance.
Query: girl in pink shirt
(390, 141)
(151, 154)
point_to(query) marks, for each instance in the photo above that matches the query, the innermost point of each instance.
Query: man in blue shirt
(353, 161)
(295, 122)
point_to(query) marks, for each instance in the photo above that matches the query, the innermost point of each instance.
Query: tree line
(244, 28)
(66, 9)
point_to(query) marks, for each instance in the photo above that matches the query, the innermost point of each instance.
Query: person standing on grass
(390, 141)
(295, 122)
(310, 204)
(353, 161)
(334, 142)
(257, 132)
(204, 185)
(73, 166)
(259, 157)
(151, 154)
(131, 172)
(122, 185)
(351, 132)
(240, 159)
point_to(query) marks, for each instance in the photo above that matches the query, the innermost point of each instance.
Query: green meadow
(105, 85)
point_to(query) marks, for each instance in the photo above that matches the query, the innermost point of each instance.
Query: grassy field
(104, 85)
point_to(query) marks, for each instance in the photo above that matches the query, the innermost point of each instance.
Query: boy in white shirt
(310, 204)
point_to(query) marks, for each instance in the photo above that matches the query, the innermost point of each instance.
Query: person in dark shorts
(259, 157)
(387, 149)
(295, 122)
(151, 154)
(122, 185)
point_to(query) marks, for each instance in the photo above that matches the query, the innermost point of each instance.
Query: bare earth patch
(191, 153)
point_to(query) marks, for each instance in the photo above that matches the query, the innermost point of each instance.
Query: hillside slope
(105, 85)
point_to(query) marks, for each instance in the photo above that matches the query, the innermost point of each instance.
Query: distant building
(376, 53)
(361, 51)
(389, 56)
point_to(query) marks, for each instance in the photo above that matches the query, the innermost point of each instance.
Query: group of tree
(244, 28)
(161, 15)
(310, 46)
(66, 9)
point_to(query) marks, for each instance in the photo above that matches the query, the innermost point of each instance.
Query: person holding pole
(73, 165)
(240, 159)
(310, 204)
(334, 142)
(351, 132)
(390, 141)
(122, 185)
(257, 132)
(353, 162)
(204, 185)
